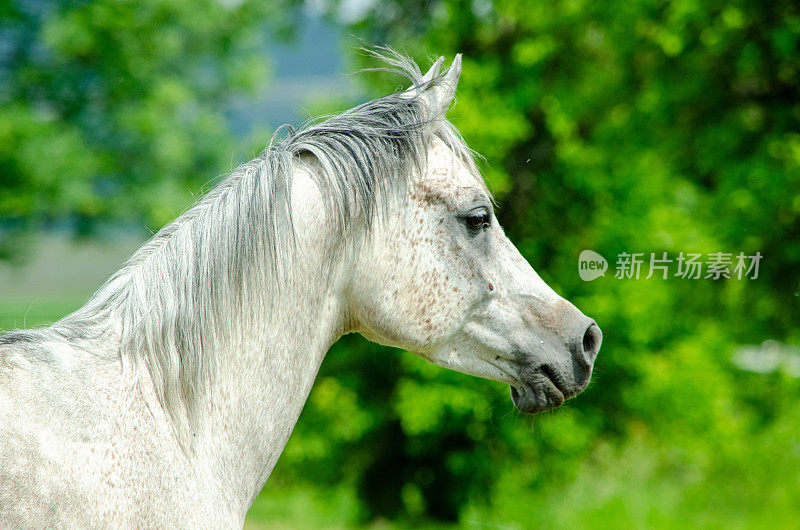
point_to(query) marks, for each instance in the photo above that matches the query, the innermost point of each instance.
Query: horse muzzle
(546, 385)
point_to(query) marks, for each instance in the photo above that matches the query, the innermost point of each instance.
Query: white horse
(166, 400)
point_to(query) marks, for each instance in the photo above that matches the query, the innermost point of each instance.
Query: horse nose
(591, 341)
(586, 343)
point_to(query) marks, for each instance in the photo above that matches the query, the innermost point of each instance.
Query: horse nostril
(591, 341)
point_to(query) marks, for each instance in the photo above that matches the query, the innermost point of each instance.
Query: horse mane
(179, 297)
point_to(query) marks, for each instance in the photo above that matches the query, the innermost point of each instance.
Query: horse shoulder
(77, 446)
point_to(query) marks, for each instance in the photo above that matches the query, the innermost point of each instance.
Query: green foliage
(114, 110)
(638, 127)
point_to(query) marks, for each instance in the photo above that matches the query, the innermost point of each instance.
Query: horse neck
(268, 349)
(265, 372)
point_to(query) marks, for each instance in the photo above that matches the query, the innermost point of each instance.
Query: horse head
(439, 277)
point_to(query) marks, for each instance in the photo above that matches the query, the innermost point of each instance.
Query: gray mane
(180, 295)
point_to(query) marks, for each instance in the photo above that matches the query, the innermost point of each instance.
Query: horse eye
(478, 219)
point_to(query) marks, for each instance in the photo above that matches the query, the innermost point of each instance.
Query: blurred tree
(645, 126)
(641, 126)
(114, 109)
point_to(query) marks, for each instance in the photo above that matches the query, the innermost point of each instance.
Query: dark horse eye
(478, 219)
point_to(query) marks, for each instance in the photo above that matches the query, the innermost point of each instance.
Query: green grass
(20, 315)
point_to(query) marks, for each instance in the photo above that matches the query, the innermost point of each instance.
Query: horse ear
(436, 67)
(439, 94)
(446, 91)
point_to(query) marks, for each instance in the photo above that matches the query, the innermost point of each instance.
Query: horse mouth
(544, 392)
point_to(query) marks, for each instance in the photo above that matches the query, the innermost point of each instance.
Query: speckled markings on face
(464, 297)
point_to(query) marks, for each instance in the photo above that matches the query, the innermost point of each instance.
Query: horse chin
(532, 399)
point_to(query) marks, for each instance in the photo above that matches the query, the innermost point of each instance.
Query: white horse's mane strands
(182, 293)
